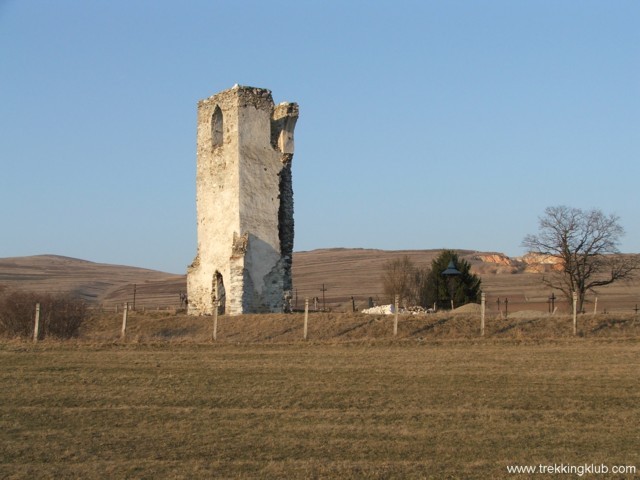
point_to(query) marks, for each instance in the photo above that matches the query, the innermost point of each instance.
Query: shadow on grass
(521, 323)
(168, 333)
(613, 323)
(355, 327)
(281, 333)
(430, 327)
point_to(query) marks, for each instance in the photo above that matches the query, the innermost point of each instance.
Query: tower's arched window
(216, 127)
(219, 294)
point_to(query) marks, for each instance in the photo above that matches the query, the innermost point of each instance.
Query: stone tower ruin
(244, 201)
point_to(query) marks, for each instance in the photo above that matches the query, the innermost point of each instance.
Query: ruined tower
(244, 201)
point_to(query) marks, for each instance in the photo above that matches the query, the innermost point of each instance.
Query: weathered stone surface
(244, 199)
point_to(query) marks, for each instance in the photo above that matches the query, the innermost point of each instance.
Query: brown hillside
(357, 273)
(343, 272)
(91, 281)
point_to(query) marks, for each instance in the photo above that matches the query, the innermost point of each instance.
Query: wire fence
(167, 298)
(503, 305)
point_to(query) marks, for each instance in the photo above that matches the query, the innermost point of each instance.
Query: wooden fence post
(575, 313)
(306, 317)
(36, 326)
(215, 320)
(395, 320)
(124, 321)
(482, 310)
(595, 307)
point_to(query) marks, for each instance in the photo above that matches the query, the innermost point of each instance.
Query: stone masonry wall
(244, 201)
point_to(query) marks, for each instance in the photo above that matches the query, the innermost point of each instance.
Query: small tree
(420, 282)
(586, 245)
(466, 286)
(398, 279)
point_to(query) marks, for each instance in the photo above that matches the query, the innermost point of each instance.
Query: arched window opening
(216, 127)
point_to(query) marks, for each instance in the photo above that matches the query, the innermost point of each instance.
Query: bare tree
(398, 278)
(586, 245)
(420, 287)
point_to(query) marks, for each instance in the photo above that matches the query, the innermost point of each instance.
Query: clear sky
(423, 124)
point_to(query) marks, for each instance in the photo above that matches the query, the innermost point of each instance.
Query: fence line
(495, 303)
(406, 316)
(602, 305)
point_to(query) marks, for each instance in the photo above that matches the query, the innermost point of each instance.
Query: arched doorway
(218, 292)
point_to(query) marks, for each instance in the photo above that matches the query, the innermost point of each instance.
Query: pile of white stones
(390, 310)
(380, 310)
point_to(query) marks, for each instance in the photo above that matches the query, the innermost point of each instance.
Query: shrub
(61, 316)
(17, 311)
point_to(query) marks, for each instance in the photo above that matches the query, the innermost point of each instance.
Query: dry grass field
(439, 410)
(352, 402)
(342, 328)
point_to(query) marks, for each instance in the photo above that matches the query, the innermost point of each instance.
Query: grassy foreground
(163, 327)
(466, 409)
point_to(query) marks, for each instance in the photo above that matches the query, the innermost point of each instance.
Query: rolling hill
(342, 273)
(93, 282)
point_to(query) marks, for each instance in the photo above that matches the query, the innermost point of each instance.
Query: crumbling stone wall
(244, 201)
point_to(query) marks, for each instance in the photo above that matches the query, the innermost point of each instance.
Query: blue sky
(423, 124)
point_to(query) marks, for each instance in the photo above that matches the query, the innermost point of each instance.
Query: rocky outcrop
(530, 263)
(497, 258)
(493, 263)
(539, 263)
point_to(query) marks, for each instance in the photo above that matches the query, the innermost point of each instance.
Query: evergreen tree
(465, 287)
